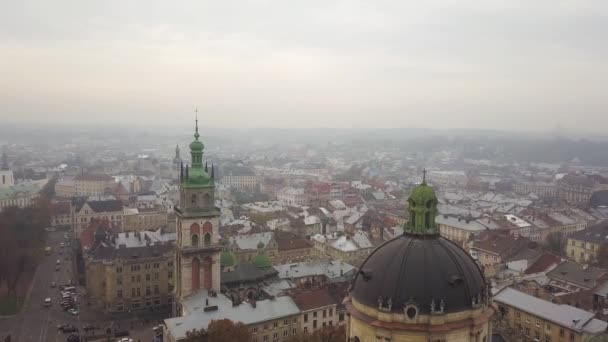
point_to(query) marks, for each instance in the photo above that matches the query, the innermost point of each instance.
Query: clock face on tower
(198, 249)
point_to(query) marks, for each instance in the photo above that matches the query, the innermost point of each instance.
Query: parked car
(53, 284)
(73, 312)
(73, 338)
(66, 328)
(88, 327)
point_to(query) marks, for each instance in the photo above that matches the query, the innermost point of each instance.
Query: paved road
(36, 322)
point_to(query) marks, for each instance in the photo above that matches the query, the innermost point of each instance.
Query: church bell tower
(197, 257)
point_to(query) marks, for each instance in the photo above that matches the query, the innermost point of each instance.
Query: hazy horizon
(493, 65)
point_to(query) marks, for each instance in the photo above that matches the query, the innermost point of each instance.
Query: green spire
(423, 210)
(197, 177)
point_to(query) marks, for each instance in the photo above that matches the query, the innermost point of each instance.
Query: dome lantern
(423, 210)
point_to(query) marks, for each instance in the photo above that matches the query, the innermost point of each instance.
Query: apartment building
(129, 271)
(539, 320)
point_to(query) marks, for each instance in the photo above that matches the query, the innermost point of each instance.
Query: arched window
(193, 199)
(194, 239)
(429, 203)
(413, 218)
(427, 219)
(207, 239)
(207, 227)
(196, 274)
(207, 273)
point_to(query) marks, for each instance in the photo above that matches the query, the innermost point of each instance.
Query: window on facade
(118, 269)
(138, 292)
(138, 278)
(194, 239)
(119, 280)
(548, 327)
(305, 317)
(314, 314)
(265, 338)
(561, 332)
(133, 292)
(547, 338)
(571, 336)
(536, 336)
(265, 326)
(170, 274)
(147, 277)
(294, 331)
(193, 199)
(275, 336)
(285, 333)
(538, 323)
(324, 313)
(119, 293)
(341, 317)
(156, 290)
(331, 312)
(147, 290)
(276, 324)
(207, 239)
(314, 324)
(285, 322)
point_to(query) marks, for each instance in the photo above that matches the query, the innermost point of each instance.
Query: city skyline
(506, 66)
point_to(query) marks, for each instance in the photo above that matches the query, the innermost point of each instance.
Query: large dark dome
(420, 271)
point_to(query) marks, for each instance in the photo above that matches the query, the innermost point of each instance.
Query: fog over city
(501, 65)
(303, 171)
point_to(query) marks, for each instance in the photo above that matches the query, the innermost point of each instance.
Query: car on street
(67, 328)
(58, 262)
(73, 312)
(88, 327)
(61, 244)
(56, 268)
(73, 338)
(125, 339)
(53, 284)
(47, 301)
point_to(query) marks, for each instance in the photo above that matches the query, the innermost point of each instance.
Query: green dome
(227, 259)
(261, 261)
(422, 194)
(197, 145)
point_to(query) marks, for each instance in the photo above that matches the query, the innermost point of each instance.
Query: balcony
(201, 248)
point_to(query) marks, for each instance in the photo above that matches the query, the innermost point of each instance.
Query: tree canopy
(223, 330)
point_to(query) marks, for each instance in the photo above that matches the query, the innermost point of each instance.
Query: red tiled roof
(87, 237)
(500, 242)
(287, 241)
(314, 299)
(543, 263)
(94, 178)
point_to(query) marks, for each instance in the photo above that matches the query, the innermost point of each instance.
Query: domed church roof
(227, 259)
(420, 272)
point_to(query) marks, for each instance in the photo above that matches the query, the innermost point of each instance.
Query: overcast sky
(526, 65)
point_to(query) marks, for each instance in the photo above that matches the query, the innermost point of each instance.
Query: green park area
(10, 305)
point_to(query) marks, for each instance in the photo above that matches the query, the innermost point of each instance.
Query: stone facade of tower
(197, 259)
(6, 174)
(177, 161)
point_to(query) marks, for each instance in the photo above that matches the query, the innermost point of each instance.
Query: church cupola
(423, 210)
(197, 175)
